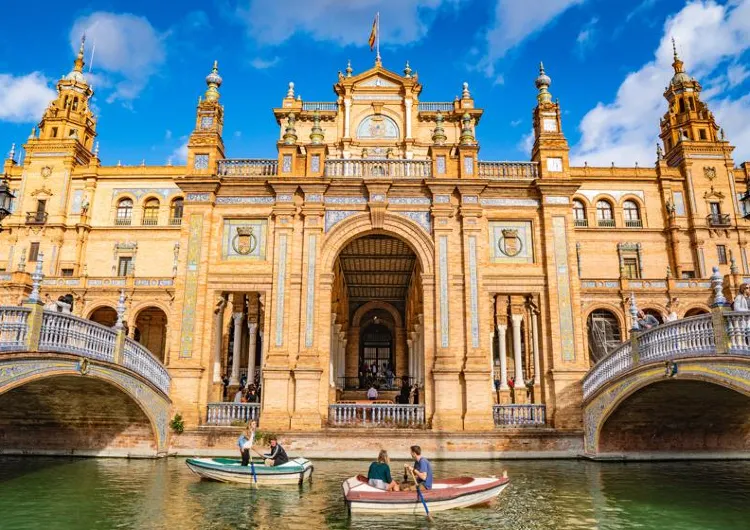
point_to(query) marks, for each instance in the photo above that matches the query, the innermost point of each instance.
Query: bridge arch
(103, 314)
(703, 406)
(129, 416)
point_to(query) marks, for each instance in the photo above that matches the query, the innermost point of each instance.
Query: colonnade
(337, 368)
(522, 313)
(415, 344)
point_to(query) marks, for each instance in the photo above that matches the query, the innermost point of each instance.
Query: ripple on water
(163, 494)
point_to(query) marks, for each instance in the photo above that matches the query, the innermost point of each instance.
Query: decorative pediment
(44, 190)
(377, 81)
(713, 194)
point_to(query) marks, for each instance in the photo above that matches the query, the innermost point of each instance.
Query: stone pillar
(415, 354)
(517, 354)
(347, 114)
(502, 342)
(492, 362)
(410, 347)
(252, 338)
(218, 325)
(234, 379)
(342, 356)
(535, 345)
(407, 105)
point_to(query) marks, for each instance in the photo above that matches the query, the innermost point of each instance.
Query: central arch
(378, 276)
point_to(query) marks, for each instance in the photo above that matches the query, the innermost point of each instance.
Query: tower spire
(78, 64)
(213, 80)
(678, 65)
(542, 84)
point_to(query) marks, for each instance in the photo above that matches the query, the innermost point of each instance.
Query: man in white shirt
(372, 393)
(238, 396)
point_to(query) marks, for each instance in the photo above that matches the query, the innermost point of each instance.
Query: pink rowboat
(446, 494)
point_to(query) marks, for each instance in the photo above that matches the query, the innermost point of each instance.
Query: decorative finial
(659, 153)
(316, 133)
(733, 264)
(407, 70)
(290, 134)
(37, 278)
(467, 134)
(465, 94)
(143, 162)
(678, 66)
(119, 163)
(96, 149)
(717, 284)
(213, 80)
(22, 261)
(674, 49)
(721, 131)
(78, 64)
(349, 69)
(32, 136)
(12, 152)
(438, 135)
(299, 97)
(169, 162)
(120, 324)
(634, 314)
(542, 83)
(290, 90)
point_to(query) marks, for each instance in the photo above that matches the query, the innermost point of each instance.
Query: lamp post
(5, 199)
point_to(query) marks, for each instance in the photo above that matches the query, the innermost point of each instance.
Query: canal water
(61, 493)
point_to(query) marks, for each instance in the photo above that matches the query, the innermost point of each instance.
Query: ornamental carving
(244, 241)
(709, 172)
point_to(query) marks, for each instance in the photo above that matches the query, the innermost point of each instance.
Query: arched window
(579, 213)
(124, 212)
(175, 211)
(604, 334)
(632, 214)
(604, 214)
(151, 212)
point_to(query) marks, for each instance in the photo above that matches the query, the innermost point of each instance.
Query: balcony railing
(381, 382)
(36, 218)
(375, 415)
(149, 221)
(581, 223)
(719, 219)
(175, 221)
(249, 167)
(605, 223)
(367, 168)
(633, 223)
(229, 413)
(519, 415)
(508, 170)
(435, 106)
(123, 221)
(320, 106)
(13, 327)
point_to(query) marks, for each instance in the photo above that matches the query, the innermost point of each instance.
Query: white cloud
(180, 154)
(736, 74)
(515, 21)
(526, 143)
(168, 134)
(586, 37)
(127, 51)
(708, 35)
(24, 98)
(516, 123)
(345, 23)
(263, 64)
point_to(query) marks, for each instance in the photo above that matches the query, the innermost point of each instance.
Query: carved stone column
(252, 328)
(517, 353)
(535, 345)
(218, 325)
(234, 379)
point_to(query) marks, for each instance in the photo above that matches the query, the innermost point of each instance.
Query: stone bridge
(72, 386)
(682, 388)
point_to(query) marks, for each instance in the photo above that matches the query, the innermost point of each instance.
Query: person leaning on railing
(742, 300)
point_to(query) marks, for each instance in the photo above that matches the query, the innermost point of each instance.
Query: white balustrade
(228, 413)
(367, 168)
(508, 170)
(13, 328)
(260, 167)
(136, 357)
(66, 333)
(376, 415)
(528, 415)
(689, 337)
(320, 106)
(435, 106)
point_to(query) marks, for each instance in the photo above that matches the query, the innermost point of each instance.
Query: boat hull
(445, 495)
(295, 471)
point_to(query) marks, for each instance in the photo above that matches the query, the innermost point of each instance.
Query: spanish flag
(374, 32)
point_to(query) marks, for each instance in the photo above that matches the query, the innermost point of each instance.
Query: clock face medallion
(549, 125)
(206, 122)
(46, 171)
(554, 165)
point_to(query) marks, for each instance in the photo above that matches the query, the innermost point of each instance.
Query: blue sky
(609, 63)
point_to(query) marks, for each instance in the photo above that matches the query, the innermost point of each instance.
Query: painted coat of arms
(510, 244)
(244, 241)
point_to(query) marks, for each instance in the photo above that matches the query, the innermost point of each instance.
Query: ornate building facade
(377, 236)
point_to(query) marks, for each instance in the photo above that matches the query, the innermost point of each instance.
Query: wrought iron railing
(123, 221)
(175, 221)
(375, 415)
(688, 337)
(36, 218)
(581, 223)
(508, 170)
(605, 223)
(256, 167)
(719, 219)
(530, 415)
(389, 168)
(229, 413)
(633, 223)
(380, 382)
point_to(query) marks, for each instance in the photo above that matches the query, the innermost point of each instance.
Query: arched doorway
(378, 300)
(105, 315)
(603, 333)
(151, 330)
(694, 312)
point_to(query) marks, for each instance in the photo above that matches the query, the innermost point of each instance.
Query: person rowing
(421, 471)
(245, 443)
(277, 456)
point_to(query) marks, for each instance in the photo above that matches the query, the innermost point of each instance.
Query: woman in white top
(742, 300)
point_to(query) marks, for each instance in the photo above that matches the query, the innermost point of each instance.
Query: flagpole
(377, 37)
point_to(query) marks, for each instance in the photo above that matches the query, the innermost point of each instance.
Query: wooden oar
(419, 493)
(252, 469)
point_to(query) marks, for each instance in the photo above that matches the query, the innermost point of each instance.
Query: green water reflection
(54, 493)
